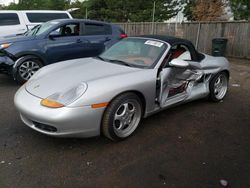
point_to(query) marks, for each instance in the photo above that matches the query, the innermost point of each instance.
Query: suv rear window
(44, 17)
(9, 19)
(97, 29)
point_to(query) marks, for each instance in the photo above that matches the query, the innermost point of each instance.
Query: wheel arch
(31, 55)
(104, 130)
(212, 96)
(24, 57)
(221, 71)
(227, 72)
(139, 94)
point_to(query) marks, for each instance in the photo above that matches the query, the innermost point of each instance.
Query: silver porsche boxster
(111, 93)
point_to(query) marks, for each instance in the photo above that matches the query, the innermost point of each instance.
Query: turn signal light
(123, 36)
(100, 105)
(6, 45)
(51, 104)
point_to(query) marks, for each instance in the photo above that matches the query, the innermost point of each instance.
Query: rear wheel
(27, 69)
(218, 87)
(122, 117)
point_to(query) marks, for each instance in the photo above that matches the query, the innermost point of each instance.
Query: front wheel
(218, 87)
(122, 117)
(27, 69)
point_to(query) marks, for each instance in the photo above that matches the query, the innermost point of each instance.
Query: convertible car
(111, 93)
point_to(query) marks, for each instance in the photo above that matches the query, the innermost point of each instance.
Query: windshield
(39, 29)
(135, 52)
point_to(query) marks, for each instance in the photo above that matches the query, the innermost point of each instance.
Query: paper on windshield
(154, 43)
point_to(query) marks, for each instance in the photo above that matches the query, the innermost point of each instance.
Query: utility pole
(153, 19)
(86, 8)
(86, 13)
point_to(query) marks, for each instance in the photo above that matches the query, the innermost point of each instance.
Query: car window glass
(9, 19)
(180, 52)
(44, 27)
(140, 52)
(67, 30)
(185, 55)
(97, 29)
(44, 17)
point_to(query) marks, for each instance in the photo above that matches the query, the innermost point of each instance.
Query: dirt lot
(193, 145)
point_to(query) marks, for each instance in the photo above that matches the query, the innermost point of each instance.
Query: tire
(218, 87)
(122, 117)
(27, 68)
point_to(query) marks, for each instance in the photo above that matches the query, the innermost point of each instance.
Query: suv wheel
(27, 69)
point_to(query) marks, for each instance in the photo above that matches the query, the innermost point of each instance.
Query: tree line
(141, 10)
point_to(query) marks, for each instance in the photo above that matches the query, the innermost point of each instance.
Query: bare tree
(208, 10)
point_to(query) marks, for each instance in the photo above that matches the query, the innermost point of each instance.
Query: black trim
(5, 69)
(44, 127)
(196, 56)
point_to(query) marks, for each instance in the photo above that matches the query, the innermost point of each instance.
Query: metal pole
(153, 19)
(198, 36)
(86, 13)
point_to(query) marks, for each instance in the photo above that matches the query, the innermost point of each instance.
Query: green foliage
(38, 5)
(241, 9)
(107, 10)
(131, 11)
(81, 13)
(188, 9)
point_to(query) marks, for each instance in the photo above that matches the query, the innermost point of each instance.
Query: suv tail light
(122, 36)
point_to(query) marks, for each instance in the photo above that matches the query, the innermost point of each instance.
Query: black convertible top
(169, 39)
(196, 56)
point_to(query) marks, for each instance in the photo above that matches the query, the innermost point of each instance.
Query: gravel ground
(193, 145)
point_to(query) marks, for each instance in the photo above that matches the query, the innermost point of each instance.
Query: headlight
(5, 45)
(58, 100)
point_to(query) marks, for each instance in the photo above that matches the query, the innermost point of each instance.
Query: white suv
(18, 22)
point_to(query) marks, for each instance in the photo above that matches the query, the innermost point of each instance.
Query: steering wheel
(139, 61)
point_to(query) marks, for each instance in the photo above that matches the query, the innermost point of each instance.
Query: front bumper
(64, 122)
(6, 64)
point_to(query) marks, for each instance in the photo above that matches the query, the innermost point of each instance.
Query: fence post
(198, 36)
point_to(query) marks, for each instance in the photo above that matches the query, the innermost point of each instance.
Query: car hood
(63, 76)
(14, 38)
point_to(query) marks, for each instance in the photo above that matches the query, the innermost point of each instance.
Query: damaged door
(178, 80)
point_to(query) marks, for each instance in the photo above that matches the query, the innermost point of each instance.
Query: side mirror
(179, 63)
(53, 35)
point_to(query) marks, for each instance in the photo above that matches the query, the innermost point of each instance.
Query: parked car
(111, 93)
(14, 22)
(54, 41)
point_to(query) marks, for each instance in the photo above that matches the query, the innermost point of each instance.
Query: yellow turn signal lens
(51, 104)
(100, 105)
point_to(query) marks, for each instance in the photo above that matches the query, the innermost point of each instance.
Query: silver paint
(105, 81)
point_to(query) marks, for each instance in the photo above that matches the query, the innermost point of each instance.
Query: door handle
(107, 39)
(78, 41)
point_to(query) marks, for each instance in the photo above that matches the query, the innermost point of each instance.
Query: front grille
(44, 127)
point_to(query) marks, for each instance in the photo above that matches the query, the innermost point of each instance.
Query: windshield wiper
(120, 62)
(114, 61)
(36, 30)
(99, 57)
